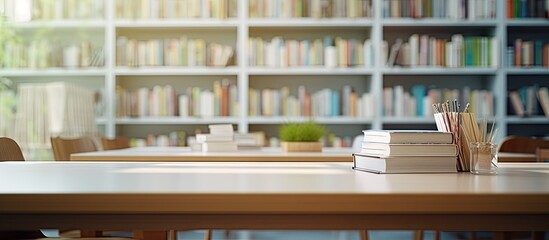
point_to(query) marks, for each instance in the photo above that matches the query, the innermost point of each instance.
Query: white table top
(180, 154)
(266, 195)
(263, 186)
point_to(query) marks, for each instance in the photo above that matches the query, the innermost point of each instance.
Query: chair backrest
(64, 147)
(10, 150)
(521, 144)
(119, 142)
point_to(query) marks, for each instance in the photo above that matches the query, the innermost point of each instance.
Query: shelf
(321, 120)
(310, 22)
(164, 71)
(528, 71)
(177, 23)
(408, 120)
(433, 22)
(439, 71)
(56, 24)
(52, 72)
(308, 71)
(533, 22)
(175, 120)
(527, 120)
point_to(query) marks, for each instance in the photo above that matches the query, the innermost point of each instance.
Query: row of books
(528, 53)
(527, 8)
(43, 53)
(529, 101)
(459, 51)
(328, 52)
(172, 139)
(310, 8)
(406, 151)
(325, 102)
(27, 10)
(451, 9)
(257, 139)
(418, 100)
(164, 101)
(172, 9)
(182, 51)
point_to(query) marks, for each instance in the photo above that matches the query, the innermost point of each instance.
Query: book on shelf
(416, 149)
(543, 97)
(407, 136)
(404, 164)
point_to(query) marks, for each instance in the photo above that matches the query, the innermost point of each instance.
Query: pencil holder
(483, 158)
(465, 132)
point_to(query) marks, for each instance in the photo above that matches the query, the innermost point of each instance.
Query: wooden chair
(119, 142)
(10, 151)
(527, 146)
(64, 147)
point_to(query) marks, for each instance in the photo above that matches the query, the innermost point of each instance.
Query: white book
(417, 149)
(183, 105)
(414, 49)
(407, 164)
(495, 52)
(330, 57)
(407, 136)
(142, 102)
(206, 104)
(219, 147)
(203, 137)
(221, 129)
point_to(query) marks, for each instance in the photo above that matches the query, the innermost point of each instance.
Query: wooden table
(266, 195)
(184, 154)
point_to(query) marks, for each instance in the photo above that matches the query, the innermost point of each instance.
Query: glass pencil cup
(483, 158)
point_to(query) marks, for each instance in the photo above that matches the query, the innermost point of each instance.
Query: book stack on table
(220, 139)
(406, 151)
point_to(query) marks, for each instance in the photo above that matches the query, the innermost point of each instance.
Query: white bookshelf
(237, 31)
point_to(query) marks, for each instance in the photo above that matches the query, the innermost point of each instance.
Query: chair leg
(363, 234)
(437, 235)
(208, 234)
(418, 235)
(172, 235)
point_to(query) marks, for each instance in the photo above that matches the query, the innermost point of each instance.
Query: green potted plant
(301, 137)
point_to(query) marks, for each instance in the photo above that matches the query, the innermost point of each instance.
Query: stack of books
(406, 151)
(220, 139)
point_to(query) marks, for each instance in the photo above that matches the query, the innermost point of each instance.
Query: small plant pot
(301, 146)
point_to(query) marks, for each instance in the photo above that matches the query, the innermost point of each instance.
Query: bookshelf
(239, 24)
